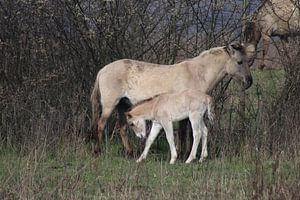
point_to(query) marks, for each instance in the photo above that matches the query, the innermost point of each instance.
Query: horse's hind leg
(123, 107)
(183, 147)
(101, 125)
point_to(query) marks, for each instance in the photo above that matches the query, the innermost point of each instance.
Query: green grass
(71, 172)
(64, 168)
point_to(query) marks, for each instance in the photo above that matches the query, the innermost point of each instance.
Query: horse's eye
(131, 124)
(240, 62)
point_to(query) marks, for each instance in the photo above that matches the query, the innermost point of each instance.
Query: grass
(71, 172)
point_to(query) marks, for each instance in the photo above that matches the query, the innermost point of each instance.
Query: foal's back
(178, 106)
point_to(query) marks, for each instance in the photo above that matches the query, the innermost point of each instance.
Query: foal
(167, 108)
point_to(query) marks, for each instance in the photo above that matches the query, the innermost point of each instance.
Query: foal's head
(237, 66)
(137, 124)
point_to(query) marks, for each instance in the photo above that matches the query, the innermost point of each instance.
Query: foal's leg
(156, 127)
(204, 140)
(194, 119)
(168, 126)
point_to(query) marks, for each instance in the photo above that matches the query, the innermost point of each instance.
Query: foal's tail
(96, 105)
(209, 111)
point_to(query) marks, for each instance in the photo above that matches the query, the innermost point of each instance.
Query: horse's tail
(209, 110)
(96, 103)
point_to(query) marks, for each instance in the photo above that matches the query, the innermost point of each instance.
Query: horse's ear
(235, 46)
(128, 115)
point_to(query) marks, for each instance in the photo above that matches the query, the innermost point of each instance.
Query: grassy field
(71, 172)
(64, 168)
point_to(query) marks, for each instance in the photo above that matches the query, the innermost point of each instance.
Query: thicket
(51, 51)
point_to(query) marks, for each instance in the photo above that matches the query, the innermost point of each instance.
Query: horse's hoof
(129, 154)
(97, 153)
(261, 66)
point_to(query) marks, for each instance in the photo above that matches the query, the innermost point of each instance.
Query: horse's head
(252, 33)
(137, 124)
(251, 37)
(237, 66)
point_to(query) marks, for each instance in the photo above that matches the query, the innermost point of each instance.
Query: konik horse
(273, 18)
(137, 81)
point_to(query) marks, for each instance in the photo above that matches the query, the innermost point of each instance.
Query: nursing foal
(166, 108)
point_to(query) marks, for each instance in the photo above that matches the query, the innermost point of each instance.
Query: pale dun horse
(167, 108)
(273, 18)
(137, 81)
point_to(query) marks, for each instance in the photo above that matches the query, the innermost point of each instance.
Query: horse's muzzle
(248, 82)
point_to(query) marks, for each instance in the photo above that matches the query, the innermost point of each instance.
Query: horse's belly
(143, 87)
(141, 93)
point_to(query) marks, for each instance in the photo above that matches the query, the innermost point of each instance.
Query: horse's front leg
(285, 43)
(266, 43)
(156, 127)
(125, 141)
(168, 126)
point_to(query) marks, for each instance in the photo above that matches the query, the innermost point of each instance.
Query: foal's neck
(144, 110)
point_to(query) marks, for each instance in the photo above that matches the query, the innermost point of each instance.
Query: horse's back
(280, 16)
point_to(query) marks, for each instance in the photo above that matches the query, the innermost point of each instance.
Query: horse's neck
(214, 77)
(212, 74)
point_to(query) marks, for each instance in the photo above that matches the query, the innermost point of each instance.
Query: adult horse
(137, 81)
(273, 18)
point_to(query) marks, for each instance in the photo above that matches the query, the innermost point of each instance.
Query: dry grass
(70, 172)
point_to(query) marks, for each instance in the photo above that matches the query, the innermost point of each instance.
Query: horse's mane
(213, 51)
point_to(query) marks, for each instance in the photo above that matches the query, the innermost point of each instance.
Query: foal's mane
(144, 101)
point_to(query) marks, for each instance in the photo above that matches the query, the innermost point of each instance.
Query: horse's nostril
(248, 82)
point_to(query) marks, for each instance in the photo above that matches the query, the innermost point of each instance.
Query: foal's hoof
(172, 162)
(188, 161)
